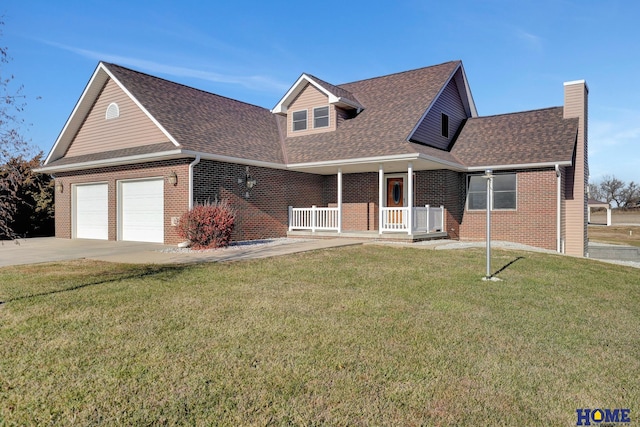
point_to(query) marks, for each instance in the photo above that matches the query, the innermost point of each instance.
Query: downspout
(191, 165)
(558, 208)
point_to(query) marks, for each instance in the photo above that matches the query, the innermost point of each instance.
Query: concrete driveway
(50, 249)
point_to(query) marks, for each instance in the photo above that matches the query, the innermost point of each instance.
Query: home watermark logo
(586, 416)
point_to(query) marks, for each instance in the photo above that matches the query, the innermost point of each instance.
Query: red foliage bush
(208, 225)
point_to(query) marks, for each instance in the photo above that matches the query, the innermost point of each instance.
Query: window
(504, 192)
(113, 111)
(300, 120)
(321, 117)
(444, 123)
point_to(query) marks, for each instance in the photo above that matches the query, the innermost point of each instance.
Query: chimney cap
(577, 82)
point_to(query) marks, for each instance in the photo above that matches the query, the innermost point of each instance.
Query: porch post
(339, 200)
(380, 197)
(410, 198)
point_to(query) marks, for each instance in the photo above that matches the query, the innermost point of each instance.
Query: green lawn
(362, 335)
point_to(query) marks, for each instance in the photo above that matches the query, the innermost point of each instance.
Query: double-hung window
(503, 194)
(300, 120)
(321, 117)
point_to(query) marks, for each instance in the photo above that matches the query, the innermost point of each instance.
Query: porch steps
(373, 235)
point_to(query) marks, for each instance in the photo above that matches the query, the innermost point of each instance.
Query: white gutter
(191, 165)
(519, 166)
(163, 155)
(558, 213)
(378, 159)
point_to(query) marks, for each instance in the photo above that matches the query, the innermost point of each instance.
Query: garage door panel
(142, 210)
(92, 211)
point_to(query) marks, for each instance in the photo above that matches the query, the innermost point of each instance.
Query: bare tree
(611, 189)
(12, 143)
(630, 195)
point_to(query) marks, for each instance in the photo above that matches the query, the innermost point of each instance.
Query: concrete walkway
(51, 249)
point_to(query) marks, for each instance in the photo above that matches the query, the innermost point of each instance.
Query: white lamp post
(488, 175)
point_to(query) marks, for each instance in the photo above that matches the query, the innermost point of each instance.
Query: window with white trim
(299, 120)
(321, 117)
(503, 194)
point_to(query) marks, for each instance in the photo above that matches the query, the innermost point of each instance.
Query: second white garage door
(141, 210)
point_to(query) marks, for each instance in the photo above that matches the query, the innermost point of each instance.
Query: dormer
(313, 106)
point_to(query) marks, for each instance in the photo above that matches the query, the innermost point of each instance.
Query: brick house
(138, 151)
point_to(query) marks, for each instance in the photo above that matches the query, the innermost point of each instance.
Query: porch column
(380, 196)
(339, 200)
(410, 198)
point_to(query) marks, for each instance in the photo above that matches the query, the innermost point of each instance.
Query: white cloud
(533, 41)
(254, 82)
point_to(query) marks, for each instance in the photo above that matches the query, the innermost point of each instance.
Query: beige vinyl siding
(576, 105)
(309, 98)
(133, 128)
(429, 132)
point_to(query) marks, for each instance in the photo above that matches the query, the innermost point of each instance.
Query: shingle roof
(205, 122)
(114, 154)
(335, 90)
(539, 136)
(393, 106)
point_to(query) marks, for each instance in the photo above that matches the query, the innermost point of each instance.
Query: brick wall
(175, 197)
(532, 223)
(263, 212)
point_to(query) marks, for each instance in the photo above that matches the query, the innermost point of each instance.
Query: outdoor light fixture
(173, 178)
(249, 181)
(59, 186)
(488, 175)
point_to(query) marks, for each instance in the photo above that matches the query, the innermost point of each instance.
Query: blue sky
(516, 54)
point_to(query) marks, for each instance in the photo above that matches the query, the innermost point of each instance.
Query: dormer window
(299, 120)
(321, 117)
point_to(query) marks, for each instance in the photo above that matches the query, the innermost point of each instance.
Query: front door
(395, 196)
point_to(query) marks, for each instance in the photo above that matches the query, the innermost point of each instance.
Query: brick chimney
(576, 96)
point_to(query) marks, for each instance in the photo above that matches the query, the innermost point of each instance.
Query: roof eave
(519, 166)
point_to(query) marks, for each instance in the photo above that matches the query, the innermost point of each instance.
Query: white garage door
(91, 211)
(142, 210)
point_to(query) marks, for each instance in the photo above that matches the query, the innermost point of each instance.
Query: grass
(616, 234)
(353, 336)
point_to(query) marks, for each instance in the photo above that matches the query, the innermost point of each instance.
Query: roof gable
(83, 107)
(336, 95)
(130, 127)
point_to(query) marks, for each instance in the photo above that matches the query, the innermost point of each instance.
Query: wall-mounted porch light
(248, 181)
(59, 186)
(173, 178)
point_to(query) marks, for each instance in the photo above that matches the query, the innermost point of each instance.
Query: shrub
(208, 225)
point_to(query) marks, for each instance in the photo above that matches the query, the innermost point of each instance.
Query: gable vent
(113, 111)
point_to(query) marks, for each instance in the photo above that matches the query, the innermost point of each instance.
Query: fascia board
(520, 166)
(293, 91)
(118, 161)
(376, 159)
(237, 160)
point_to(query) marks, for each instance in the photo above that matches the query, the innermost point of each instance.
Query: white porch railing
(313, 218)
(426, 219)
